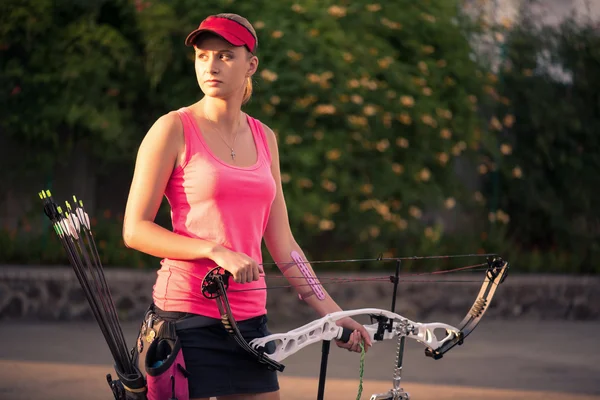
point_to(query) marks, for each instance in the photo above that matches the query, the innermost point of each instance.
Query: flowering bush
(388, 119)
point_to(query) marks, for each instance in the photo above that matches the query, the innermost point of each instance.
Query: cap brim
(235, 41)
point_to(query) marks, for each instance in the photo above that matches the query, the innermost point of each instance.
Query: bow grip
(345, 335)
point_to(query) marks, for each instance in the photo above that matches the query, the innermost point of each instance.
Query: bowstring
(381, 258)
(474, 267)
(403, 279)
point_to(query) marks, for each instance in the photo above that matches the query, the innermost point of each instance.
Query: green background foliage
(393, 130)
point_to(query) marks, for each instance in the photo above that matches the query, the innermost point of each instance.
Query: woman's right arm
(157, 157)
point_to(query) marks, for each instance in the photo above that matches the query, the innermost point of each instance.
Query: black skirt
(218, 366)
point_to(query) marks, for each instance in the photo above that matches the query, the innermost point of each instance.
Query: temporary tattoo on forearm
(316, 287)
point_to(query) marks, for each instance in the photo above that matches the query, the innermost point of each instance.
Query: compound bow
(387, 325)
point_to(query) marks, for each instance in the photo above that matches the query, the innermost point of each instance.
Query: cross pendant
(232, 154)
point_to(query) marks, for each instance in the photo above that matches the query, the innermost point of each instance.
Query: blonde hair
(246, 24)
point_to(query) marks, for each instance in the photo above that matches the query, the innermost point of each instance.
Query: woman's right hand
(243, 268)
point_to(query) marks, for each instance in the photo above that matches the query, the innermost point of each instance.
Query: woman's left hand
(359, 335)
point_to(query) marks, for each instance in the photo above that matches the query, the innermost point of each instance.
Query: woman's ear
(253, 66)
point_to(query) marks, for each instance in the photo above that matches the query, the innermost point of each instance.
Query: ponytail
(247, 90)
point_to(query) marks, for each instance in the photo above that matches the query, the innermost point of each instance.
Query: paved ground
(500, 360)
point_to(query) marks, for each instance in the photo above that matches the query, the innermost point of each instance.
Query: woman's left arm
(281, 244)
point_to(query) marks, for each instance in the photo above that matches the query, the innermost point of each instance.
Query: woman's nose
(211, 66)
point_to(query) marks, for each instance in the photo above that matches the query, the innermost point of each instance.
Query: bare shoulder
(271, 138)
(167, 126)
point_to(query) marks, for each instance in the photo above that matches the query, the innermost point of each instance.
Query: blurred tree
(548, 133)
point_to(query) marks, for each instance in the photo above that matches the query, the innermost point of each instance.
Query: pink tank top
(225, 204)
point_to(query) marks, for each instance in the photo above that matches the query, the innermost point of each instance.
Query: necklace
(223, 139)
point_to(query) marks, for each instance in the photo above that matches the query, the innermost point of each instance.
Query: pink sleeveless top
(222, 203)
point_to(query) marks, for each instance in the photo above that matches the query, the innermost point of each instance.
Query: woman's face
(221, 68)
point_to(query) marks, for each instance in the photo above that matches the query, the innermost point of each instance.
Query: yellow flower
(391, 94)
(423, 67)
(373, 7)
(294, 55)
(337, 11)
(383, 145)
(293, 139)
(405, 118)
(407, 101)
(390, 24)
(353, 83)
(329, 185)
(402, 142)
(298, 8)
(259, 25)
(502, 217)
(517, 172)
(441, 63)
(483, 169)
(495, 124)
(325, 109)
(334, 154)
(369, 110)
(356, 99)
(505, 149)
(348, 57)
(313, 32)
(275, 100)
(358, 120)
(428, 120)
(424, 175)
(385, 62)
(333, 208)
(446, 133)
(305, 183)
(450, 203)
(427, 91)
(443, 158)
(268, 75)
(326, 225)
(415, 212)
(318, 135)
(367, 188)
(306, 101)
(285, 178)
(509, 120)
(397, 168)
(277, 34)
(442, 113)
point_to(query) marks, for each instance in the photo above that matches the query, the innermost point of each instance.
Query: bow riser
(326, 328)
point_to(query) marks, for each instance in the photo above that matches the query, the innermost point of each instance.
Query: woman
(219, 169)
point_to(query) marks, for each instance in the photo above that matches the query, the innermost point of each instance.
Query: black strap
(197, 321)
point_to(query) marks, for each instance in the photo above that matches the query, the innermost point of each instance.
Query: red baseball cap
(230, 30)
